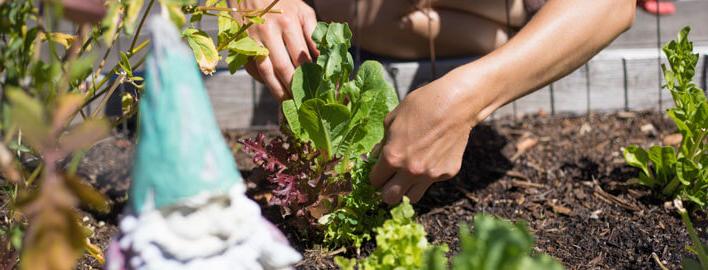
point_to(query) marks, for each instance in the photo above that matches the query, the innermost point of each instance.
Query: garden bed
(571, 186)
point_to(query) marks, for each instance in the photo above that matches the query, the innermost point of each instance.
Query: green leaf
(637, 157)
(663, 159)
(204, 49)
(291, 115)
(248, 46)
(174, 12)
(112, 21)
(323, 123)
(306, 82)
(29, 115)
(370, 77)
(81, 68)
(235, 61)
(435, 259)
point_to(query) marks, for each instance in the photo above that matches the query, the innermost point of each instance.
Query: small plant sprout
(681, 172)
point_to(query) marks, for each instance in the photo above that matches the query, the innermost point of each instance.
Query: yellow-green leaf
(174, 12)
(62, 39)
(111, 21)
(204, 49)
(248, 46)
(29, 115)
(87, 194)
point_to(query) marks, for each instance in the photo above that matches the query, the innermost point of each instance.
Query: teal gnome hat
(181, 152)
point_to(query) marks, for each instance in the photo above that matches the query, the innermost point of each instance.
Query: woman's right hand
(288, 37)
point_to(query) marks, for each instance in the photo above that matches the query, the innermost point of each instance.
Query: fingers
(278, 55)
(308, 19)
(265, 72)
(253, 70)
(382, 171)
(296, 46)
(399, 185)
(416, 192)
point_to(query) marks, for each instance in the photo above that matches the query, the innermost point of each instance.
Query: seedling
(494, 244)
(681, 172)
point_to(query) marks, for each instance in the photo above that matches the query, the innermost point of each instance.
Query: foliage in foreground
(47, 80)
(682, 173)
(320, 170)
(698, 248)
(494, 244)
(400, 243)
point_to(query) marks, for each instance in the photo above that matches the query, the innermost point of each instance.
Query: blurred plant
(494, 244)
(682, 173)
(400, 244)
(49, 78)
(698, 247)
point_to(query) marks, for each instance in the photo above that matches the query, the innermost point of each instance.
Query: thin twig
(227, 9)
(247, 25)
(140, 25)
(105, 98)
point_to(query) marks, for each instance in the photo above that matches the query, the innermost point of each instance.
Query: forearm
(561, 37)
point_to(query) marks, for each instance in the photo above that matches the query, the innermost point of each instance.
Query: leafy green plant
(48, 79)
(400, 243)
(681, 172)
(319, 169)
(494, 244)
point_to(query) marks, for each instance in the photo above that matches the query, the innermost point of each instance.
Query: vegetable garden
(539, 192)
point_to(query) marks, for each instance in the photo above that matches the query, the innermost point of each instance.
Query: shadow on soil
(483, 163)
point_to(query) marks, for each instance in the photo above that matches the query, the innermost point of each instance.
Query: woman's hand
(287, 36)
(426, 137)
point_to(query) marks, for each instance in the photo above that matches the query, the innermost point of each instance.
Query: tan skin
(427, 133)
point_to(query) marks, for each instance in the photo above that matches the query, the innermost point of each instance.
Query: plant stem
(103, 81)
(105, 98)
(140, 25)
(697, 244)
(247, 25)
(247, 11)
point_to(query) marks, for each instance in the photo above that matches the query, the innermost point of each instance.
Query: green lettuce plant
(681, 172)
(320, 169)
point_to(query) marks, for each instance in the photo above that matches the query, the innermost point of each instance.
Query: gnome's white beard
(206, 232)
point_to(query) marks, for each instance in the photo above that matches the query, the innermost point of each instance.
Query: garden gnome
(188, 208)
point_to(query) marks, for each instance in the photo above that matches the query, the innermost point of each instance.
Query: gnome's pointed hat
(181, 152)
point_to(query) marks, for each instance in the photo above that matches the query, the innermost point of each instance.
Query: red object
(84, 11)
(657, 7)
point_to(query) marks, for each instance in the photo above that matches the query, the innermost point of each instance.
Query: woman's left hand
(426, 136)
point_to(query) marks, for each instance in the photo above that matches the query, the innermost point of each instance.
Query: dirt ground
(563, 175)
(566, 178)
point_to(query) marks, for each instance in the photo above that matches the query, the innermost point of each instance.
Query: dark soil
(571, 187)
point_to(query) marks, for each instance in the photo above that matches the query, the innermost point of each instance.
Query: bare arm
(427, 134)
(561, 37)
